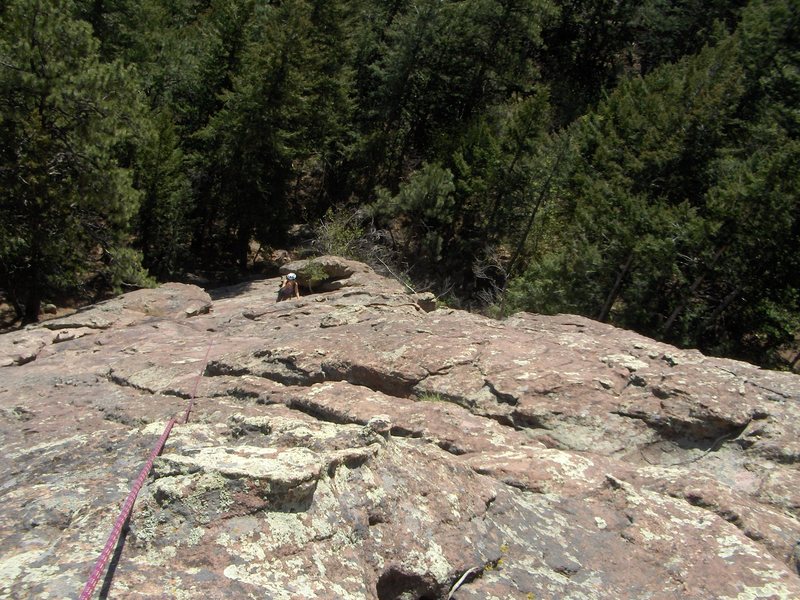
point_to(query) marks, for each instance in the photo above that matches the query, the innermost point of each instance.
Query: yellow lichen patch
(160, 555)
(285, 465)
(391, 355)
(625, 361)
(286, 529)
(731, 545)
(651, 536)
(48, 447)
(431, 561)
(774, 590)
(573, 466)
(195, 536)
(703, 522)
(319, 388)
(12, 567)
(154, 428)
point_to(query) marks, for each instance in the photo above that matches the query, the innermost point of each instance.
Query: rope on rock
(127, 506)
(458, 583)
(196, 381)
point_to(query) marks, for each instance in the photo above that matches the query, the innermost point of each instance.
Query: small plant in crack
(494, 565)
(431, 397)
(497, 565)
(313, 274)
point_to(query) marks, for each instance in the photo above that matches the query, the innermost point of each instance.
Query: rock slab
(357, 443)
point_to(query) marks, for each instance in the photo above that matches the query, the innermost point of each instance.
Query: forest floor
(9, 321)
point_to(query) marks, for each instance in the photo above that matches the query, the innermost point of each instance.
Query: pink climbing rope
(127, 506)
(196, 381)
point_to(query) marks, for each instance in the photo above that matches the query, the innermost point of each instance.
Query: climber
(289, 287)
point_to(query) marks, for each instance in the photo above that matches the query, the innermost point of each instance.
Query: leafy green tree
(754, 302)
(452, 88)
(66, 199)
(592, 45)
(587, 50)
(426, 201)
(501, 180)
(209, 55)
(630, 192)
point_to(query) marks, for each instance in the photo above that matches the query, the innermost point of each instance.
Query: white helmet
(291, 276)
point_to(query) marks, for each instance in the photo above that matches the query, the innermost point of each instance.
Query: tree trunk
(682, 304)
(243, 247)
(32, 305)
(692, 291)
(19, 308)
(726, 302)
(545, 189)
(34, 276)
(614, 293)
(33, 298)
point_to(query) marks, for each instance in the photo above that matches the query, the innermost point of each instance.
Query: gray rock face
(359, 444)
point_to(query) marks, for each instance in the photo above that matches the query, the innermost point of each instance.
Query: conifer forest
(636, 162)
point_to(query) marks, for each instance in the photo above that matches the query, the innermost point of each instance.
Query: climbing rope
(127, 506)
(458, 583)
(196, 381)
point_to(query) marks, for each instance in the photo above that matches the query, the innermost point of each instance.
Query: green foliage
(126, 269)
(248, 143)
(632, 161)
(593, 45)
(431, 397)
(313, 273)
(67, 198)
(341, 233)
(668, 30)
(283, 114)
(162, 222)
(678, 209)
(426, 201)
(630, 194)
(437, 66)
(587, 45)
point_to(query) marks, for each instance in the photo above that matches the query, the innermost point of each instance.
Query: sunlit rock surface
(357, 444)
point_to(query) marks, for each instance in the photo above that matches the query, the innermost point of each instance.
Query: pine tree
(667, 30)
(633, 190)
(678, 210)
(754, 299)
(250, 143)
(438, 67)
(586, 51)
(162, 227)
(66, 199)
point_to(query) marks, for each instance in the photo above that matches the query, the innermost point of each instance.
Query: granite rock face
(358, 444)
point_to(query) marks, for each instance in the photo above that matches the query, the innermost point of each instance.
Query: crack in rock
(501, 397)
